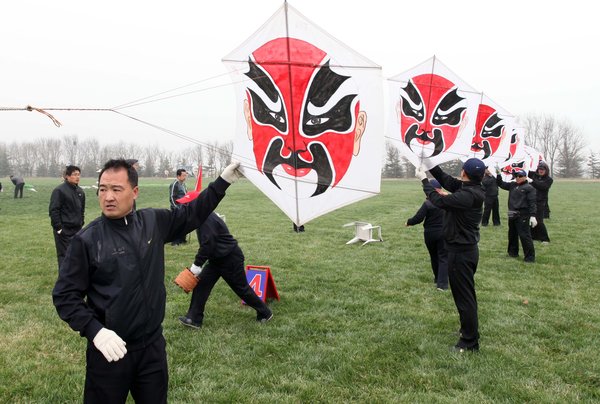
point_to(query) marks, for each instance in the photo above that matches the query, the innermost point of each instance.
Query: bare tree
(593, 164)
(570, 152)
(392, 167)
(542, 134)
(224, 155)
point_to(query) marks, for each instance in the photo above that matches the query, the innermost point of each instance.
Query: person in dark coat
(111, 285)
(67, 210)
(541, 181)
(464, 208)
(521, 214)
(19, 185)
(177, 190)
(432, 218)
(490, 204)
(219, 256)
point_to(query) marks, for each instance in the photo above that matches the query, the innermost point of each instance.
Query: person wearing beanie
(491, 204)
(432, 218)
(541, 181)
(463, 210)
(521, 214)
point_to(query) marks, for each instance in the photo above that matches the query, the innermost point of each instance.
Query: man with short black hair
(463, 209)
(66, 210)
(111, 285)
(178, 190)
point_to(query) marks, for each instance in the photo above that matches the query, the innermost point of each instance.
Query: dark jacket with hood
(541, 183)
(113, 275)
(464, 208)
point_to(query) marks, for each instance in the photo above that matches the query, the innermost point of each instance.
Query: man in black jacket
(463, 209)
(223, 257)
(490, 204)
(19, 185)
(521, 214)
(178, 190)
(541, 181)
(66, 210)
(111, 285)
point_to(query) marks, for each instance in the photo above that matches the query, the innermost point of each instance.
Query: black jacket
(463, 209)
(432, 216)
(542, 184)
(521, 197)
(67, 208)
(215, 240)
(113, 273)
(490, 187)
(176, 190)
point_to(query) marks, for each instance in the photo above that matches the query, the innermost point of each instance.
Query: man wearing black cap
(463, 207)
(521, 214)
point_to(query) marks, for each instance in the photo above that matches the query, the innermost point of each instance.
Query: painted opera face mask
(302, 113)
(431, 113)
(489, 132)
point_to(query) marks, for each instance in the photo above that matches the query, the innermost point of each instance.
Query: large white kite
(433, 114)
(309, 110)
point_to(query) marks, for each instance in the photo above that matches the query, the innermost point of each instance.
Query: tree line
(562, 144)
(47, 157)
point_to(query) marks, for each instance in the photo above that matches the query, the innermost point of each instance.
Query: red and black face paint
(431, 112)
(489, 130)
(303, 115)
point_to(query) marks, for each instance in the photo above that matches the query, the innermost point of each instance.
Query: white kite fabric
(309, 117)
(432, 114)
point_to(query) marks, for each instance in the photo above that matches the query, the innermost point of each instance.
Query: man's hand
(186, 280)
(420, 174)
(231, 173)
(532, 221)
(110, 344)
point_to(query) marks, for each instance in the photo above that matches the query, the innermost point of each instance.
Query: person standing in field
(67, 210)
(521, 214)
(463, 209)
(433, 218)
(177, 190)
(19, 185)
(491, 204)
(111, 286)
(541, 181)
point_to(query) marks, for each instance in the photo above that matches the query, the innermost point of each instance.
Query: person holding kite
(463, 210)
(219, 256)
(111, 285)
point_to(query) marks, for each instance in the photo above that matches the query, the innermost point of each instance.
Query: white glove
(58, 232)
(110, 344)
(532, 221)
(420, 174)
(231, 173)
(492, 171)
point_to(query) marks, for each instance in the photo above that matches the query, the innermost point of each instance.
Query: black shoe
(189, 323)
(461, 349)
(264, 319)
(513, 255)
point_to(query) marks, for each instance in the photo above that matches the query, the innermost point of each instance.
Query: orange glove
(186, 280)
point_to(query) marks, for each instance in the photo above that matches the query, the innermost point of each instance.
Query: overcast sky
(527, 56)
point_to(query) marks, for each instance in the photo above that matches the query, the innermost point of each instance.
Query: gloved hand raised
(420, 174)
(231, 173)
(532, 221)
(110, 344)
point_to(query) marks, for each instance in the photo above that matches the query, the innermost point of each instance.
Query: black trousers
(19, 190)
(61, 241)
(142, 372)
(439, 258)
(491, 206)
(231, 269)
(518, 228)
(540, 232)
(462, 266)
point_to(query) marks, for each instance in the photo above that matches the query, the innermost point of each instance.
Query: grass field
(354, 323)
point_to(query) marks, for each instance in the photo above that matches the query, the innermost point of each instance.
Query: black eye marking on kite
(413, 107)
(447, 112)
(261, 111)
(323, 87)
(491, 128)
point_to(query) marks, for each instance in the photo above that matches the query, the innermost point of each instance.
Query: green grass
(354, 323)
